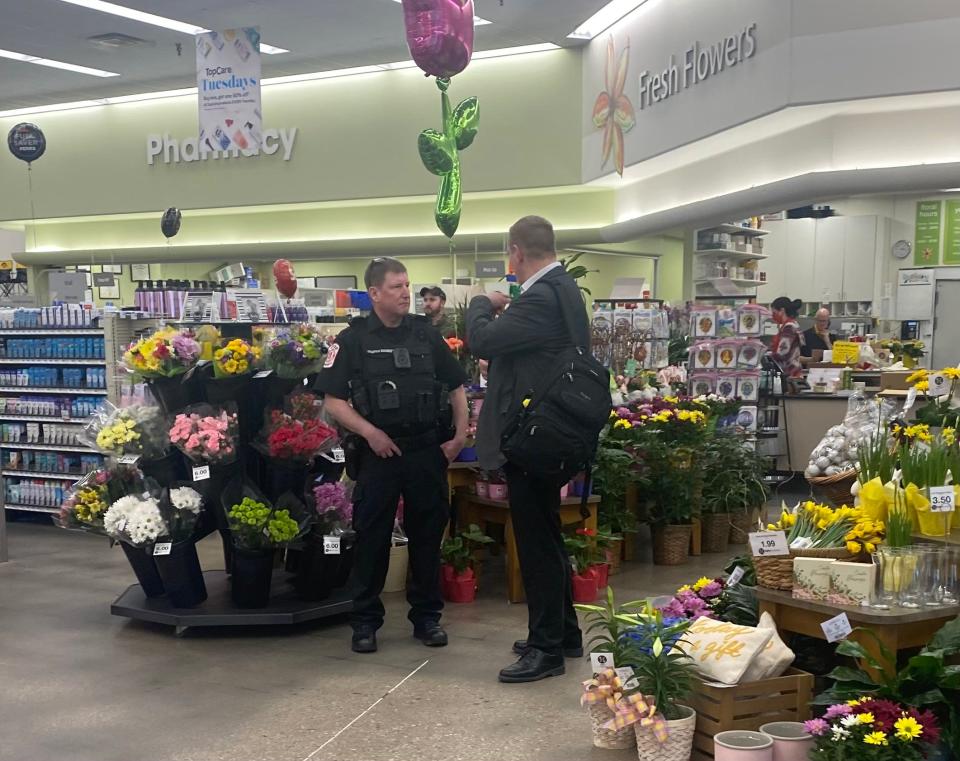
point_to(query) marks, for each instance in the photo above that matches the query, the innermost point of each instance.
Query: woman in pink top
(786, 345)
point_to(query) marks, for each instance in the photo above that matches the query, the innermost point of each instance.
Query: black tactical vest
(396, 387)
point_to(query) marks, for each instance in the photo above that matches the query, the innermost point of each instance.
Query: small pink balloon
(439, 34)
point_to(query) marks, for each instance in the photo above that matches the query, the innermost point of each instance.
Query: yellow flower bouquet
(234, 358)
(135, 430)
(162, 354)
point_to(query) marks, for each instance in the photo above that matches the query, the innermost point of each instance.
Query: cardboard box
(811, 578)
(851, 583)
(895, 380)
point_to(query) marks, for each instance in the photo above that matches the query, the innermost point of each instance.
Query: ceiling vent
(117, 40)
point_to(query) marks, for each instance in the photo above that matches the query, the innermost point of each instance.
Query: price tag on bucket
(769, 543)
(942, 499)
(735, 577)
(627, 678)
(601, 662)
(201, 473)
(331, 545)
(262, 374)
(939, 384)
(836, 628)
(162, 548)
(335, 455)
(129, 459)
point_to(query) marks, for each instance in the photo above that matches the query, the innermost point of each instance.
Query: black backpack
(555, 435)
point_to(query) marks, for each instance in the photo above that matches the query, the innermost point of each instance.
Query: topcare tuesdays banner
(228, 89)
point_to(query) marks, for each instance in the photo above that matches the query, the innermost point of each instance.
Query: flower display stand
(284, 608)
(747, 706)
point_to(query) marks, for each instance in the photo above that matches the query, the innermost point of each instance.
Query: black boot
(364, 641)
(569, 651)
(533, 665)
(431, 634)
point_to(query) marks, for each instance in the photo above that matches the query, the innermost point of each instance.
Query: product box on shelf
(811, 578)
(850, 583)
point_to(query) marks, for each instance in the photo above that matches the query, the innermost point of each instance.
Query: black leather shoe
(432, 634)
(533, 665)
(364, 641)
(520, 647)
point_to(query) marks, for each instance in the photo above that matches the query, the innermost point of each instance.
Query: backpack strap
(568, 318)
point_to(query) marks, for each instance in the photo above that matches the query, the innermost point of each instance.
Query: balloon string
(33, 213)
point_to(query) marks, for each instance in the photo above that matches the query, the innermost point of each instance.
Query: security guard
(389, 379)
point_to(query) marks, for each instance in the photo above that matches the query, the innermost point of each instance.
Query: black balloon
(26, 142)
(170, 224)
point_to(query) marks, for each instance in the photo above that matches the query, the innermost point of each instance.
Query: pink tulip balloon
(439, 34)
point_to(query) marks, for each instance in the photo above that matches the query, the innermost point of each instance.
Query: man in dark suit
(521, 343)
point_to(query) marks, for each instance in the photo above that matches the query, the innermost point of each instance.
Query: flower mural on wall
(613, 112)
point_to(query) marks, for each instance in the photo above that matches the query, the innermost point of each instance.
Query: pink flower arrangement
(705, 598)
(210, 438)
(333, 503)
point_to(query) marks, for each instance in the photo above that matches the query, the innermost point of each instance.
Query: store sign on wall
(951, 233)
(926, 239)
(170, 150)
(698, 63)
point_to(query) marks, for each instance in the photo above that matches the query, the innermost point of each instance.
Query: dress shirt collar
(525, 285)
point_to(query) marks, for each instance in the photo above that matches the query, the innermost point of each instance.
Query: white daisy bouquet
(135, 519)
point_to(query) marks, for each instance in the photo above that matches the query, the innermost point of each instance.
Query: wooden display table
(461, 474)
(473, 509)
(897, 629)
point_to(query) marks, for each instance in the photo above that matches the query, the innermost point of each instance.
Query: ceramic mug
(742, 745)
(791, 741)
(498, 491)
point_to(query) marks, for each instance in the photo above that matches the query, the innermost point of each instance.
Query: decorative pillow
(774, 659)
(722, 652)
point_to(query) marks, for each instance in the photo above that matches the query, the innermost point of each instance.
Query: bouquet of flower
(162, 354)
(296, 351)
(292, 438)
(333, 505)
(257, 525)
(870, 729)
(88, 500)
(206, 434)
(135, 519)
(815, 526)
(181, 507)
(236, 357)
(136, 430)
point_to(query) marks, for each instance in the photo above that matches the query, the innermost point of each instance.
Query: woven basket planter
(715, 532)
(834, 488)
(777, 572)
(678, 745)
(742, 523)
(671, 544)
(611, 739)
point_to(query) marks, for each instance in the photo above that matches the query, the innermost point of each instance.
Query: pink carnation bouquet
(206, 434)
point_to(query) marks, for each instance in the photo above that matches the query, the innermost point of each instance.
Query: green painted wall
(357, 138)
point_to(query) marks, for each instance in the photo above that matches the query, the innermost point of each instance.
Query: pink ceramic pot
(742, 745)
(791, 742)
(483, 488)
(564, 491)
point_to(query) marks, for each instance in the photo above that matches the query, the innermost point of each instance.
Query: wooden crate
(747, 706)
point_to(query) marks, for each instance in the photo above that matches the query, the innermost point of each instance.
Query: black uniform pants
(544, 563)
(421, 478)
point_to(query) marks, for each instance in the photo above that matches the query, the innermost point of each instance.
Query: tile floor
(77, 683)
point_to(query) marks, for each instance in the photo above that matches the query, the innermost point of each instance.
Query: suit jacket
(521, 345)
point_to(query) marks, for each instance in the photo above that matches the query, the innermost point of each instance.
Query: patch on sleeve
(331, 355)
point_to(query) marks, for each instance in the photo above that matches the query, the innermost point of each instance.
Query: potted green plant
(582, 553)
(458, 578)
(928, 681)
(732, 489)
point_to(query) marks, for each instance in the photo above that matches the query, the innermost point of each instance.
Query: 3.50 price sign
(769, 543)
(942, 499)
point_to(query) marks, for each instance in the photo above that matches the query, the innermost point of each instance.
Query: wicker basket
(716, 531)
(777, 572)
(671, 544)
(611, 739)
(742, 523)
(835, 488)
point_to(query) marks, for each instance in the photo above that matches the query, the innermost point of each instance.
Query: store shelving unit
(707, 258)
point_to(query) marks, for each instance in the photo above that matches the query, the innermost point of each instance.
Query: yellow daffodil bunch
(864, 536)
(90, 504)
(236, 357)
(811, 525)
(916, 432)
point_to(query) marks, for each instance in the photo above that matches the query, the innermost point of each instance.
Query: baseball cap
(433, 290)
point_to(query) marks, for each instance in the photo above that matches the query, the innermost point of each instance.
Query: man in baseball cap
(434, 303)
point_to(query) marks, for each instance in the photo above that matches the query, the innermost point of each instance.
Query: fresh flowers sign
(869, 729)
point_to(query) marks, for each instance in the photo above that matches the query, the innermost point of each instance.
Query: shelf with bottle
(42, 419)
(51, 390)
(72, 477)
(729, 228)
(41, 447)
(31, 508)
(35, 493)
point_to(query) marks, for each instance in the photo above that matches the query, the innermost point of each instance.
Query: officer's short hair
(534, 235)
(378, 268)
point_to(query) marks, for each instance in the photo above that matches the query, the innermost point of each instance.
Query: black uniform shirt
(337, 372)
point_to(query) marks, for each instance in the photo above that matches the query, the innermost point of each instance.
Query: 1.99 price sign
(769, 543)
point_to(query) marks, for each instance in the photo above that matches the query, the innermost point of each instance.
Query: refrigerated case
(930, 297)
